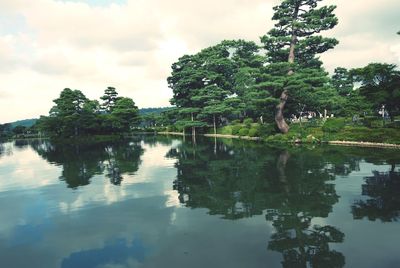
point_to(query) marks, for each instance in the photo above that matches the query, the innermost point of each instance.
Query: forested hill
(25, 123)
(143, 111)
(159, 110)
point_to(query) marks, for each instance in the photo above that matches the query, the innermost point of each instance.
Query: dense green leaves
(297, 24)
(75, 115)
(380, 85)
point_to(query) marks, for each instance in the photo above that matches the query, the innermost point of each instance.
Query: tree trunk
(279, 118)
(215, 145)
(215, 126)
(193, 128)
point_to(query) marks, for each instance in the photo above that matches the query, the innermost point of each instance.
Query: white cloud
(132, 46)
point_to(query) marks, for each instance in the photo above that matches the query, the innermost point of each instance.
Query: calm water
(160, 202)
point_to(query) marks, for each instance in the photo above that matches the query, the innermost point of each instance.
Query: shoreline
(213, 136)
(365, 144)
(337, 143)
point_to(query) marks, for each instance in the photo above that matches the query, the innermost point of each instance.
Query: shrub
(395, 124)
(235, 129)
(235, 122)
(253, 132)
(227, 130)
(267, 130)
(372, 122)
(248, 122)
(243, 132)
(334, 124)
(385, 135)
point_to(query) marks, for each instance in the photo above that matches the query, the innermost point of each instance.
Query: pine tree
(109, 99)
(294, 40)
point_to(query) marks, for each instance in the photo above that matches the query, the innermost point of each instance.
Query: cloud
(366, 32)
(47, 45)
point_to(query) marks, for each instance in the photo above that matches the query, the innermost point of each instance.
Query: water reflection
(81, 162)
(292, 187)
(382, 192)
(280, 207)
(306, 195)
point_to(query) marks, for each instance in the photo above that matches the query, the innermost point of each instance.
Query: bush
(385, 135)
(267, 130)
(253, 132)
(395, 124)
(334, 124)
(236, 129)
(372, 122)
(243, 132)
(235, 122)
(248, 122)
(227, 130)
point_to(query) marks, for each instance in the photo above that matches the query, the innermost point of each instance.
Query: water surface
(164, 202)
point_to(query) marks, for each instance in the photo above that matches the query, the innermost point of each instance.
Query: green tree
(109, 99)
(207, 79)
(64, 117)
(5, 131)
(18, 130)
(294, 40)
(125, 115)
(380, 85)
(342, 81)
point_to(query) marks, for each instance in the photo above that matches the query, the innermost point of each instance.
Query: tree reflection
(21, 143)
(307, 195)
(238, 180)
(383, 197)
(81, 162)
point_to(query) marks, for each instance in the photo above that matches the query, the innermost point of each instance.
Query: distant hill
(25, 123)
(144, 111)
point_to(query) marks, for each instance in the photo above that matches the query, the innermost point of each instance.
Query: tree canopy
(75, 115)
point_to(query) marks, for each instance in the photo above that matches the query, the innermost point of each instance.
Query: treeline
(281, 79)
(75, 115)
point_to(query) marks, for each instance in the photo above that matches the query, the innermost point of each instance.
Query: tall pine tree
(295, 40)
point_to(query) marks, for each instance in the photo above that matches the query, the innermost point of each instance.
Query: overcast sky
(48, 45)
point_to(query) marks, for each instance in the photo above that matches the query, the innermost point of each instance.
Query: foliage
(74, 115)
(243, 132)
(380, 85)
(342, 81)
(298, 22)
(253, 132)
(334, 124)
(109, 99)
(248, 122)
(236, 129)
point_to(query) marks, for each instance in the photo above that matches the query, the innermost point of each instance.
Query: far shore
(341, 143)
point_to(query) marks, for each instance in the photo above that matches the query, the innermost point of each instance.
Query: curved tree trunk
(279, 118)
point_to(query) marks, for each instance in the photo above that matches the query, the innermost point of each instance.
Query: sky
(48, 45)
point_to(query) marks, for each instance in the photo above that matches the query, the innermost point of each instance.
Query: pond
(165, 202)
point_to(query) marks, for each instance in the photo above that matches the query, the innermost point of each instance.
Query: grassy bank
(336, 130)
(339, 129)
